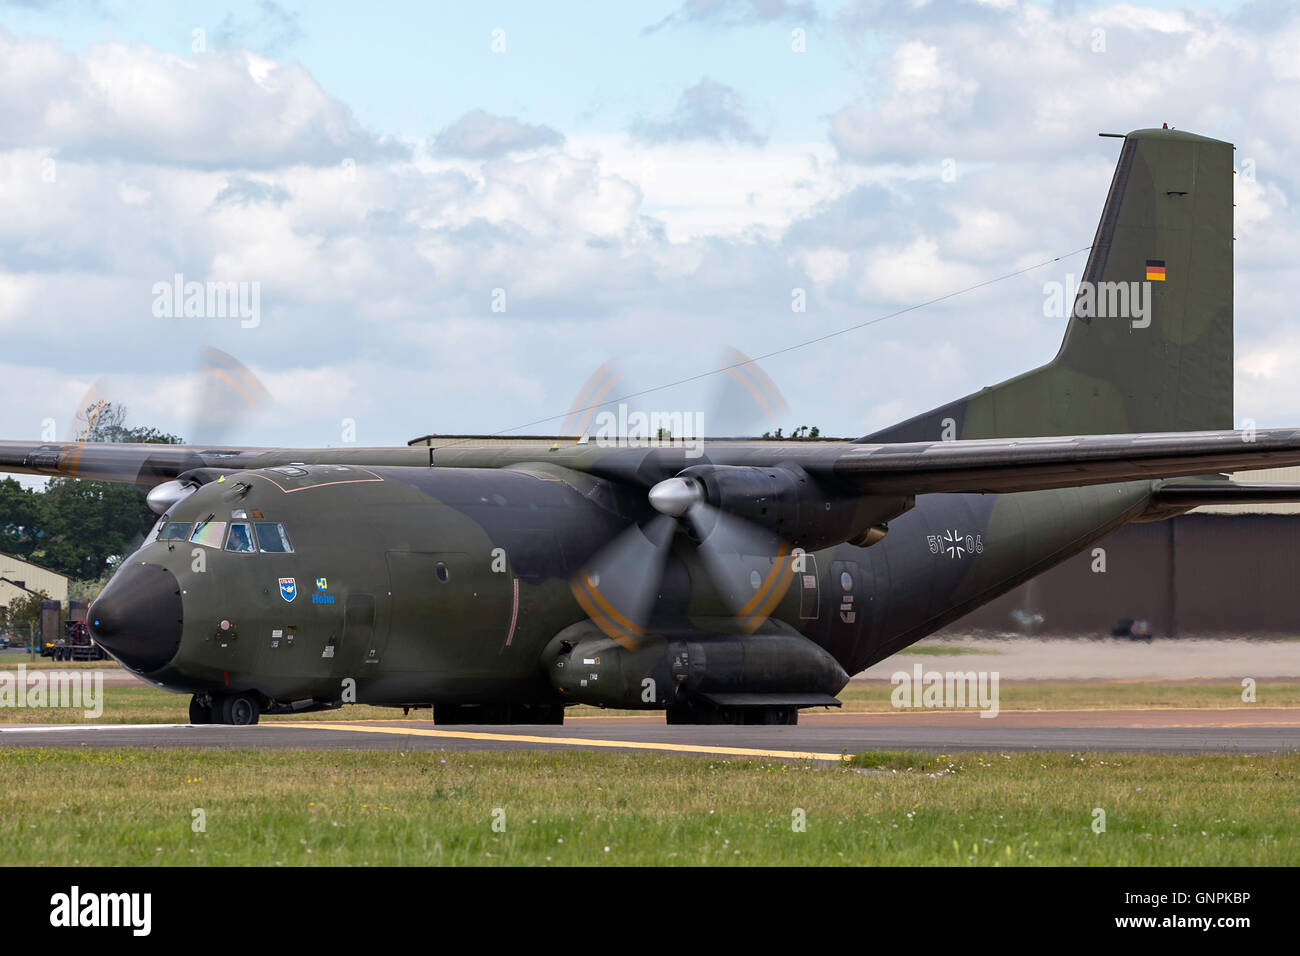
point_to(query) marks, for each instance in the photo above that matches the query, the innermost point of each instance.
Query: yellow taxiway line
(568, 741)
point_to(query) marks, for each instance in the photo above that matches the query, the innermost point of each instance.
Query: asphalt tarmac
(818, 736)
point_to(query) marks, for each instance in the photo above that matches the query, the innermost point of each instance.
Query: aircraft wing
(1029, 464)
(986, 465)
(148, 465)
(911, 468)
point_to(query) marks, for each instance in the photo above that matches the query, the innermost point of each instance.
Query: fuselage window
(174, 531)
(209, 533)
(241, 539)
(442, 572)
(272, 538)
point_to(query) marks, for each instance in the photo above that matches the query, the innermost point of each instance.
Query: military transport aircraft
(499, 584)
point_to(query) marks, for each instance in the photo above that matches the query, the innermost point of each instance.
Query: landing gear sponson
(239, 709)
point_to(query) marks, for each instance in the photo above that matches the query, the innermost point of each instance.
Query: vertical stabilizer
(1148, 346)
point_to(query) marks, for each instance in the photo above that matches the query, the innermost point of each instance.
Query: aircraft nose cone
(138, 616)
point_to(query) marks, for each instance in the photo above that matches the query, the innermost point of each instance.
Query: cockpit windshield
(241, 539)
(272, 538)
(209, 533)
(174, 531)
(245, 537)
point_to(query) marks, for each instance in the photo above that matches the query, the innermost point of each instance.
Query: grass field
(11, 659)
(79, 807)
(140, 704)
(136, 806)
(874, 695)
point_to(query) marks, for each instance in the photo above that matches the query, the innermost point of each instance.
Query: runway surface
(822, 736)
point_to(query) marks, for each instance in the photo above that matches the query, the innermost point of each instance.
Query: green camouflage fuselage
(444, 585)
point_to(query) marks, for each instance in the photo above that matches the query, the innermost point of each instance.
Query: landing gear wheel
(240, 709)
(200, 713)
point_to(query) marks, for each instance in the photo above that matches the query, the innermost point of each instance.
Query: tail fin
(1164, 243)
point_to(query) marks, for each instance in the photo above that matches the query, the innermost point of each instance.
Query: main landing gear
(239, 709)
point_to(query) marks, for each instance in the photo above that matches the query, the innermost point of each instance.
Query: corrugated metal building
(32, 576)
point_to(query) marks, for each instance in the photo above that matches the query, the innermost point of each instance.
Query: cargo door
(431, 611)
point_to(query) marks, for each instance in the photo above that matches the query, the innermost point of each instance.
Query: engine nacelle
(586, 667)
(791, 504)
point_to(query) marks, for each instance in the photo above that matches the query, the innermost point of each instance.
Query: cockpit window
(209, 533)
(241, 539)
(272, 538)
(174, 531)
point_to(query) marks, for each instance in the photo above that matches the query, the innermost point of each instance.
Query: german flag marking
(1156, 270)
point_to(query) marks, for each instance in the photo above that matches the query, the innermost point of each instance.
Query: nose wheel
(238, 709)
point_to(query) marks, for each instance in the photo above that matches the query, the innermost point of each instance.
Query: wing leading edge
(981, 466)
(1006, 465)
(148, 465)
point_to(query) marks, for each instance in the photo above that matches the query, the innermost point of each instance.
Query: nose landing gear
(238, 709)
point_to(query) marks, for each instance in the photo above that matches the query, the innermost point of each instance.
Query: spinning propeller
(227, 391)
(619, 586)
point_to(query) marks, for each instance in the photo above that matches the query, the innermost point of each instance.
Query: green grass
(874, 695)
(131, 807)
(140, 704)
(9, 660)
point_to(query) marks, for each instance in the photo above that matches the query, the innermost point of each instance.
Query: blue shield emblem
(288, 589)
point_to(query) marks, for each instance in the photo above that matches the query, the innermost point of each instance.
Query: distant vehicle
(1134, 630)
(5, 643)
(75, 645)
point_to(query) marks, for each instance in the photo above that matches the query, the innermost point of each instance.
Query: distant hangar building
(31, 576)
(1217, 571)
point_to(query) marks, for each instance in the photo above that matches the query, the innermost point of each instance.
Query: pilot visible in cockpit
(241, 539)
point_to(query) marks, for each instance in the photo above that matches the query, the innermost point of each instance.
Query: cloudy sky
(453, 214)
